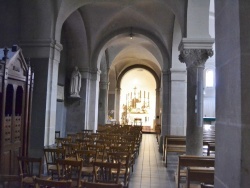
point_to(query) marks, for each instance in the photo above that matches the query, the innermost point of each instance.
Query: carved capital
(195, 57)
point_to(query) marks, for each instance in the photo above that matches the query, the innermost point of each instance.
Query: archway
(138, 98)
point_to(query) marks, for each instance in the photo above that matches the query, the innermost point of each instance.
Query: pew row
(177, 144)
(173, 144)
(188, 161)
(201, 175)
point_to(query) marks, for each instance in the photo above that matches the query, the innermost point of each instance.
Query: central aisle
(149, 169)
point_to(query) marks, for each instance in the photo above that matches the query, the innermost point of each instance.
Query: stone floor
(150, 170)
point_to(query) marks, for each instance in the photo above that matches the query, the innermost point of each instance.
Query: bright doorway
(138, 98)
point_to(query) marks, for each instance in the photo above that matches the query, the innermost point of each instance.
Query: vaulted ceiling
(101, 31)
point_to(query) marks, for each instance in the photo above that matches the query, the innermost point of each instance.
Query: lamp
(131, 34)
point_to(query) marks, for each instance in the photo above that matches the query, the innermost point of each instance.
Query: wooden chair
(51, 155)
(88, 157)
(70, 149)
(100, 151)
(57, 134)
(60, 141)
(103, 172)
(72, 136)
(70, 170)
(51, 183)
(124, 159)
(11, 181)
(30, 167)
(100, 185)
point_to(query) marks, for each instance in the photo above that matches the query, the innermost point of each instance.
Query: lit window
(209, 78)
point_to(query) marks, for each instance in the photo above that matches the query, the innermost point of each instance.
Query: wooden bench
(186, 161)
(211, 147)
(201, 175)
(173, 144)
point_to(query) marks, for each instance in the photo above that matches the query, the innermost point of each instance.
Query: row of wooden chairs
(68, 184)
(13, 181)
(69, 170)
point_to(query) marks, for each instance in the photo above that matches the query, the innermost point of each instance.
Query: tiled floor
(150, 170)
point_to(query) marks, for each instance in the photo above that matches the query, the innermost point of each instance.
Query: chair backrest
(87, 156)
(39, 182)
(52, 154)
(60, 141)
(100, 185)
(70, 170)
(104, 172)
(100, 150)
(9, 181)
(57, 134)
(70, 149)
(124, 159)
(30, 166)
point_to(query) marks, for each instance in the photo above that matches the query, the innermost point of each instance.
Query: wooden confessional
(16, 85)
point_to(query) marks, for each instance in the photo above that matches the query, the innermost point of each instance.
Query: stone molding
(90, 74)
(42, 43)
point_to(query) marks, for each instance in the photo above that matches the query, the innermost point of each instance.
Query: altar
(140, 119)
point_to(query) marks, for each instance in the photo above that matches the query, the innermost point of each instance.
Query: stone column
(117, 104)
(103, 103)
(195, 61)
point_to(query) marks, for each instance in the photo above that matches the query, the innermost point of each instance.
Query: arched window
(209, 78)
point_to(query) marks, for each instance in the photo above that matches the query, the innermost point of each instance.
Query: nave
(149, 169)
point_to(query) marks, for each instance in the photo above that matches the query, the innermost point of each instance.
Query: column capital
(195, 57)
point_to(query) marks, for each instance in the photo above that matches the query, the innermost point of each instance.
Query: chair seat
(52, 167)
(87, 169)
(28, 180)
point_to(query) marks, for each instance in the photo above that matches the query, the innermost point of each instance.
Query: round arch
(157, 80)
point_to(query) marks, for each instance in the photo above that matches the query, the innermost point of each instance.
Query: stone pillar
(157, 106)
(103, 103)
(195, 61)
(178, 101)
(165, 127)
(45, 67)
(165, 107)
(92, 95)
(117, 104)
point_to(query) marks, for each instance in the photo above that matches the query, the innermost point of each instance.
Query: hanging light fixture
(131, 34)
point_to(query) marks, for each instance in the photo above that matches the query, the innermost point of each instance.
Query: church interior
(172, 74)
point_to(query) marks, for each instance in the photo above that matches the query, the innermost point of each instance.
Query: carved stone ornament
(195, 57)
